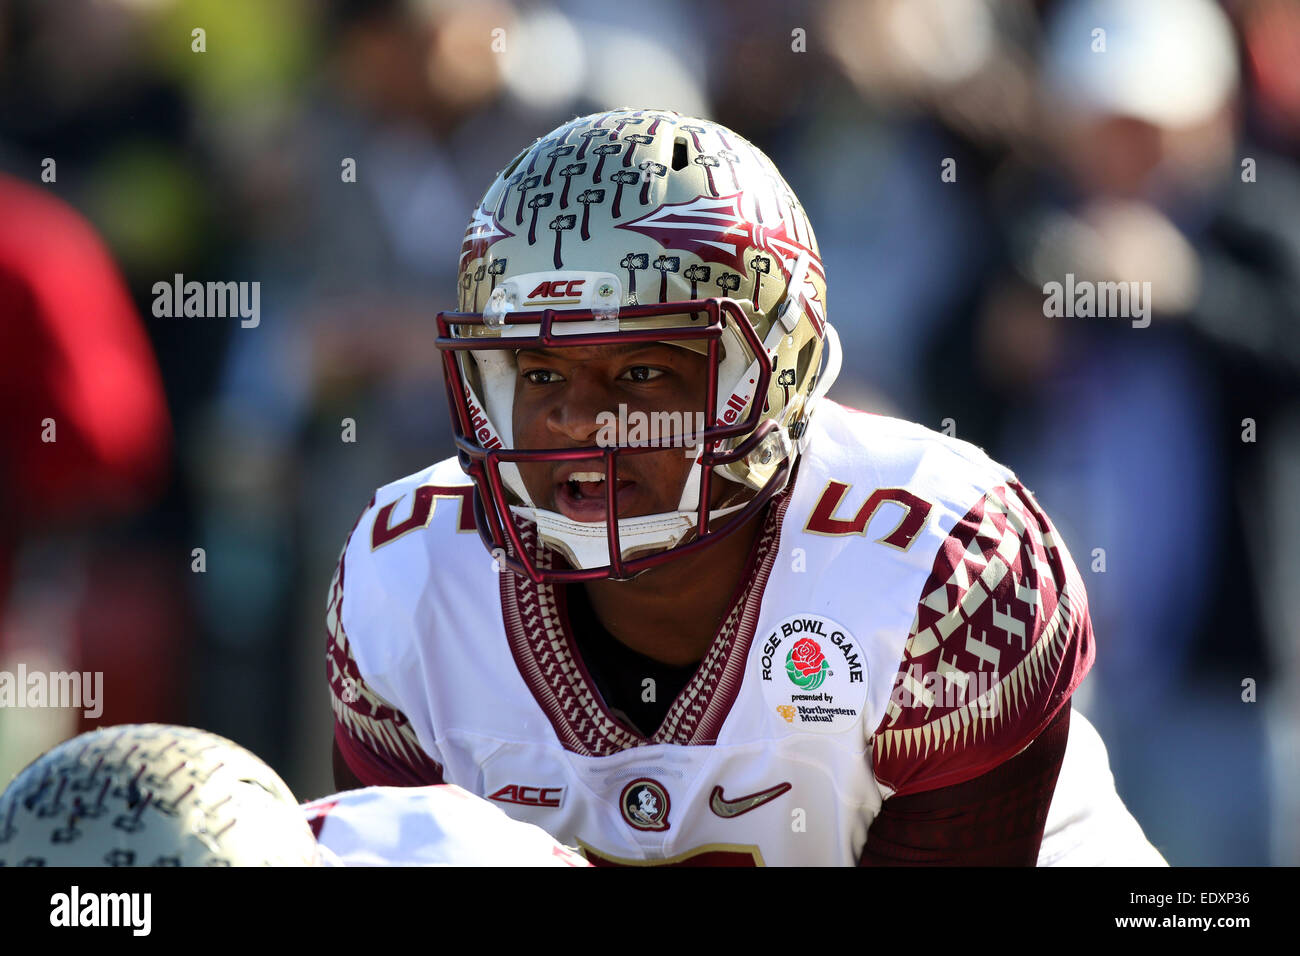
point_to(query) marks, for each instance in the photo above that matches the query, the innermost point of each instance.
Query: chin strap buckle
(787, 312)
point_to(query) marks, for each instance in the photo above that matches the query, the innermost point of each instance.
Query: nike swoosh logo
(733, 808)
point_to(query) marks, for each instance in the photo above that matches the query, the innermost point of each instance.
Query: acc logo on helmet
(557, 288)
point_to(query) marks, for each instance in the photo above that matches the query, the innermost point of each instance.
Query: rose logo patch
(807, 665)
(813, 674)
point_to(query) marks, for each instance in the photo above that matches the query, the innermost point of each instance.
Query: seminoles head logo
(806, 666)
(645, 804)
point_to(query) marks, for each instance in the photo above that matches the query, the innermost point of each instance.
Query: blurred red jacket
(75, 365)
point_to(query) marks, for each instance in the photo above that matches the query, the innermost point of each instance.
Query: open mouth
(581, 497)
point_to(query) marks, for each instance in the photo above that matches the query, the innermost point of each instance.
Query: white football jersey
(427, 826)
(910, 621)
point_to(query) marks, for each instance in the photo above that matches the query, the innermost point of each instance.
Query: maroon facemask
(481, 456)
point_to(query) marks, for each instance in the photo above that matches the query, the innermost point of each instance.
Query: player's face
(563, 399)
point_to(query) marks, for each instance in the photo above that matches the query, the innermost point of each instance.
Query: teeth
(587, 476)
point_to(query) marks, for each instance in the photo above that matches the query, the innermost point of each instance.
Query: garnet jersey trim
(374, 737)
(1003, 599)
(538, 629)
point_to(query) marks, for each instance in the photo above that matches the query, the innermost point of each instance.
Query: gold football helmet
(639, 225)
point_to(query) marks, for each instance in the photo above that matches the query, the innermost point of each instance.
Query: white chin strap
(834, 362)
(586, 543)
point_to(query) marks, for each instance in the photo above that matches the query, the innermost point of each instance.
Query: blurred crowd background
(1170, 158)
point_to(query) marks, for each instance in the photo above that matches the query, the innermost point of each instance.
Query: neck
(672, 613)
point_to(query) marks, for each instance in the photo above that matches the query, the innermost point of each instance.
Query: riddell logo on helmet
(558, 289)
(735, 405)
(479, 422)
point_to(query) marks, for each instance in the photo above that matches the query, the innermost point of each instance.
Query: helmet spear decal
(568, 172)
(554, 155)
(636, 139)
(649, 170)
(603, 150)
(697, 274)
(624, 177)
(634, 262)
(665, 265)
(588, 197)
(540, 201)
(561, 224)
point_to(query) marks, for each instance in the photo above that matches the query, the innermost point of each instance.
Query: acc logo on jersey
(529, 796)
(645, 804)
(813, 674)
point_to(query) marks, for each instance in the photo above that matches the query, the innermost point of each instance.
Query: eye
(642, 373)
(541, 376)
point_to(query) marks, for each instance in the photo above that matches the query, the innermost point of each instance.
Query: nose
(580, 409)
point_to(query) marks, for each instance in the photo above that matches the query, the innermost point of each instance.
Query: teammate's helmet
(151, 795)
(636, 226)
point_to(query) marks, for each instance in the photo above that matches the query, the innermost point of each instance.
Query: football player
(163, 795)
(720, 619)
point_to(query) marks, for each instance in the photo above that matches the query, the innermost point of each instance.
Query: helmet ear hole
(515, 162)
(679, 153)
